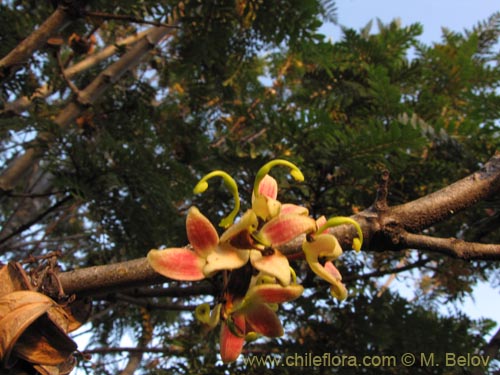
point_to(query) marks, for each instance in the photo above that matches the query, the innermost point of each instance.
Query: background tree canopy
(108, 118)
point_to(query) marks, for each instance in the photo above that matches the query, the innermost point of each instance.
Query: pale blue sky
(456, 15)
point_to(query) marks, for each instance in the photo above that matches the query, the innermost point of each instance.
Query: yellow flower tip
(293, 276)
(297, 175)
(202, 313)
(200, 187)
(265, 279)
(341, 220)
(252, 336)
(230, 184)
(264, 170)
(339, 292)
(356, 244)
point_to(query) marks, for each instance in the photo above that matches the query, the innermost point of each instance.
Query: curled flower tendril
(230, 184)
(264, 170)
(341, 220)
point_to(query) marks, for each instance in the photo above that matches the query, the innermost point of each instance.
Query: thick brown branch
(19, 56)
(104, 279)
(437, 207)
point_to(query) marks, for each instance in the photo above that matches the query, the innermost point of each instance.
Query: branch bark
(384, 229)
(17, 106)
(19, 56)
(88, 96)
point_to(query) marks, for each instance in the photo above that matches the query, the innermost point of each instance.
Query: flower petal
(328, 272)
(338, 290)
(320, 221)
(230, 344)
(332, 270)
(324, 245)
(266, 208)
(201, 233)
(289, 208)
(268, 187)
(177, 263)
(203, 314)
(274, 265)
(247, 222)
(271, 293)
(225, 258)
(284, 228)
(262, 319)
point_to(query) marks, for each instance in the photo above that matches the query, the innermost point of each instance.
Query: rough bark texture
(102, 279)
(20, 55)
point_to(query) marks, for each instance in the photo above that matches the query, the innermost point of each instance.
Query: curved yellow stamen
(294, 172)
(230, 184)
(340, 220)
(202, 313)
(294, 276)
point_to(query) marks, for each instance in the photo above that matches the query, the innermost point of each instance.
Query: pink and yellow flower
(246, 305)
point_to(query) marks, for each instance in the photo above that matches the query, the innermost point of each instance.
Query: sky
(455, 15)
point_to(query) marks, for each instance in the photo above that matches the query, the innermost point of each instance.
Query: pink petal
(263, 320)
(177, 263)
(284, 228)
(289, 208)
(332, 270)
(274, 265)
(273, 293)
(320, 222)
(268, 187)
(230, 344)
(201, 233)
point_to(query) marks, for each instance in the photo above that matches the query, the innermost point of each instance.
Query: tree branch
(24, 103)
(102, 279)
(450, 246)
(383, 231)
(88, 96)
(19, 56)
(437, 207)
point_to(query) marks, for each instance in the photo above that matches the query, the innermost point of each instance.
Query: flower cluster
(257, 276)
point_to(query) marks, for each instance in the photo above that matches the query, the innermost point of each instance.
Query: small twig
(39, 217)
(36, 259)
(391, 271)
(130, 350)
(402, 262)
(62, 69)
(153, 306)
(127, 18)
(380, 203)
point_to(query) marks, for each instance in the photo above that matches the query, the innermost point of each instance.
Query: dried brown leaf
(12, 278)
(18, 310)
